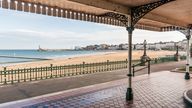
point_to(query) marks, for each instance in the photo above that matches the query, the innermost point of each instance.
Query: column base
(187, 76)
(129, 94)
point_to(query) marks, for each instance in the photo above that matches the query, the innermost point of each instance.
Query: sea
(8, 57)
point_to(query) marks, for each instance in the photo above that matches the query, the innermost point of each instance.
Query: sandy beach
(111, 56)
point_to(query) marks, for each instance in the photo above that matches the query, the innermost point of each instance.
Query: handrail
(139, 64)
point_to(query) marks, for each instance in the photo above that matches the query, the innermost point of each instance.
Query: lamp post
(144, 46)
(144, 58)
(177, 56)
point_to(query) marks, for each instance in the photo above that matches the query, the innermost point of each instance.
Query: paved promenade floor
(31, 89)
(158, 90)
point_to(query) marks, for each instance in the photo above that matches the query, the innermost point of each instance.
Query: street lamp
(144, 58)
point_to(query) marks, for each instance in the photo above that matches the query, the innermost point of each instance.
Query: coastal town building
(139, 46)
(113, 47)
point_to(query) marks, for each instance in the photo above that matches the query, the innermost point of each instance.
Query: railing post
(41, 73)
(126, 63)
(107, 65)
(87, 68)
(18, 76)
(36, 73)
(92, 71)
(24, 75)
(133, 70)
(5, 75)
(51, 70)
(155, 60)
(46, 72)
(11, 76)
(30, 74)
(83, 67)
(149, 66)
(76, 70)
(55, 72)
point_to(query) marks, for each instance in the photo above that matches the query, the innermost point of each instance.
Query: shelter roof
(177, 13)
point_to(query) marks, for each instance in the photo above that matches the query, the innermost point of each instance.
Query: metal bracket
(136, 12)
(187, 32)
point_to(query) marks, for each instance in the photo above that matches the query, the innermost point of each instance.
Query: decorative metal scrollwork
(138, 12)
(187, 31)
(130, 29)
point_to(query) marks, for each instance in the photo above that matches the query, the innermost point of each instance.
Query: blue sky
(21, 30)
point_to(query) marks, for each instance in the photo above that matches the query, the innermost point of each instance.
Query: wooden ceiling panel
(133, 3)
(180, 10)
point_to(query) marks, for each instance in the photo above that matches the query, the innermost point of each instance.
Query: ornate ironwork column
(136, 14)
(129, 22)
(130, 28)
(187, 33)
(188, 36)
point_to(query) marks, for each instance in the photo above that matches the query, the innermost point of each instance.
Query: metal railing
(165, 59)
(154, 61)
(144, 65)
(11, 76)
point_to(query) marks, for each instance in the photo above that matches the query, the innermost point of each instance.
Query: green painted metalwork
(12, 76)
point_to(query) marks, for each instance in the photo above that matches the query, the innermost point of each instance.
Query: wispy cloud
(36, 33)
(112, 36)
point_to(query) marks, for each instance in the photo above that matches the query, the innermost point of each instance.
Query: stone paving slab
(158, 90)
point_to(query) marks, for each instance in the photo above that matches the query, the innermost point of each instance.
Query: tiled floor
(159, 90)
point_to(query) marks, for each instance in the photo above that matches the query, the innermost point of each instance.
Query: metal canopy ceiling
(175, 13)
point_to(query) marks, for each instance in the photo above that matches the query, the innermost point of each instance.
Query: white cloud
(38, 34)
(69, 38)
(151, 36)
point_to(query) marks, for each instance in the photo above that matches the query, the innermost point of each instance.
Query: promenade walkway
(31, 89)
(158, 90)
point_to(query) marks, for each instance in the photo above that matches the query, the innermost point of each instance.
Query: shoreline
(5, 64)
(90, 58)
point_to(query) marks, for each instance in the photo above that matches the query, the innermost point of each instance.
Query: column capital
(189, 26)
(188, 37)
(130, 29)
